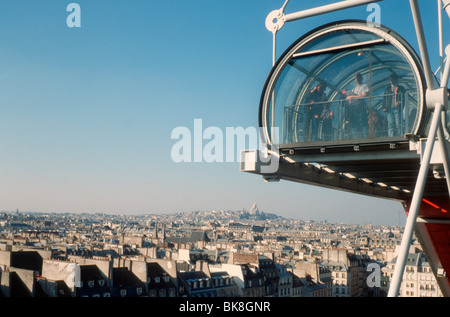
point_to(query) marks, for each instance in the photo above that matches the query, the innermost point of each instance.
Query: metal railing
(339, 120)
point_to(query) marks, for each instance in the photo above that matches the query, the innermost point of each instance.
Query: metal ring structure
(382, 33)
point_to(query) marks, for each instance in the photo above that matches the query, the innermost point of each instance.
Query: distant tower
(254, 210)
(161, 236)
(163, 233)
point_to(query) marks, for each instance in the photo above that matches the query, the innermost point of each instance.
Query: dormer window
(157, 279)
(123, 292)
(91, 284)
(101, 282)
(139, 290)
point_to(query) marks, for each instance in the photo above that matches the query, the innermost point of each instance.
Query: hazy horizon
(86, 114)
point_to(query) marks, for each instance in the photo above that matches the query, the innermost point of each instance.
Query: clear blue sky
(86, 114)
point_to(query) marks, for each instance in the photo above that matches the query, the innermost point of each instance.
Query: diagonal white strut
(415, 204)
(437, 101)
(443, 142)
(436, 130)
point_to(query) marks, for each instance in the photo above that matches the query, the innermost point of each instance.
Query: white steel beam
(441, 36)
(415, 204)
(327, 8)
(422, 44)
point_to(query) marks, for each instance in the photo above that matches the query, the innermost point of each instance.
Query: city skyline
(87, 113)
(202, 213)
(201, 254)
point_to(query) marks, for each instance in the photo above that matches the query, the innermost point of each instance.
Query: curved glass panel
(344, 86)
(333, 39)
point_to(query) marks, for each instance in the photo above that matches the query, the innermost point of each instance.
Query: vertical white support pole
(445, 157)
(415, 204)
(274, 22)
(422, 44)
(443, 142)
(274, 52)
(446, 69)
(441, 36)
(274, 59)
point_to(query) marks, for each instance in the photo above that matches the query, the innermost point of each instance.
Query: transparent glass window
(339, 38)
(365, 92)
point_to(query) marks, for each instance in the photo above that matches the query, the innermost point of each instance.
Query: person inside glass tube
(314, 104)
(356, 112)
(393, 105)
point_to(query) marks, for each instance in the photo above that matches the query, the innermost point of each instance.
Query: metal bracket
(276, 19)
(437, 96)
(274, 22)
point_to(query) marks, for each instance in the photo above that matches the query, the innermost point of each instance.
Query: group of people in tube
(357, 119)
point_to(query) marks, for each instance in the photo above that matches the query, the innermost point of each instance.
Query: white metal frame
(436, 101)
